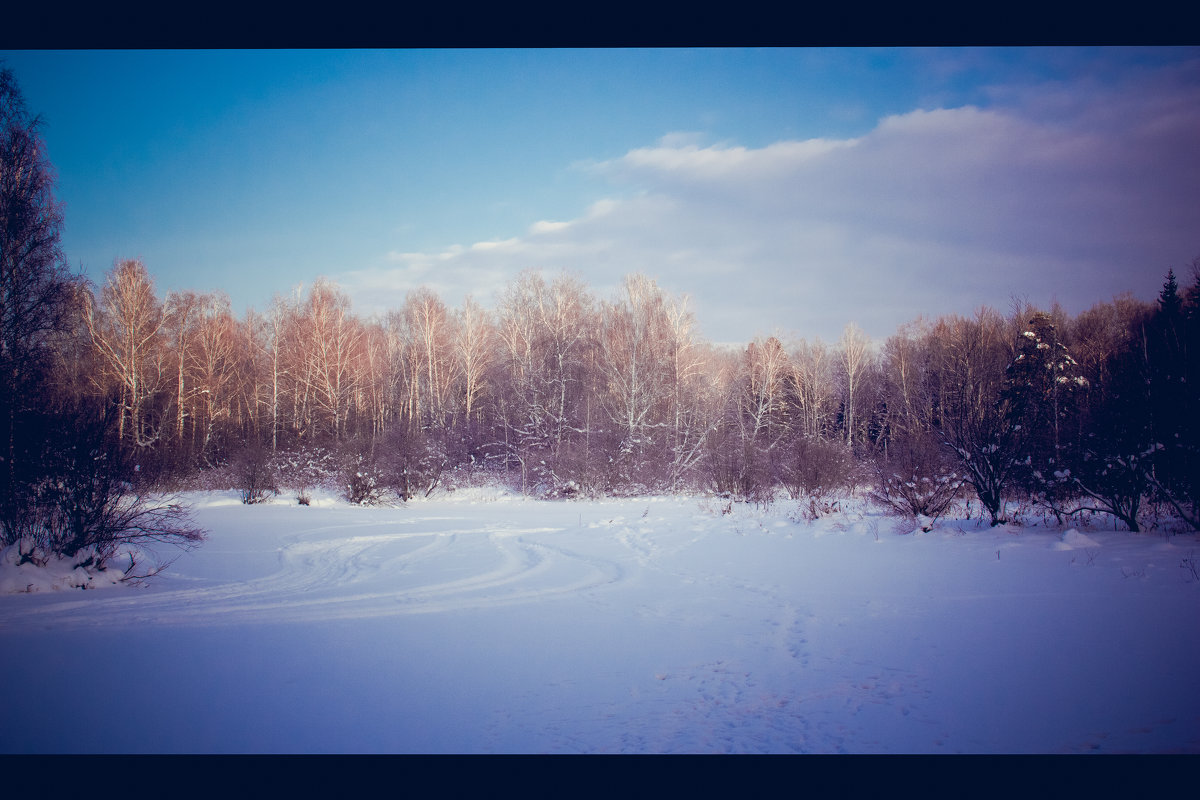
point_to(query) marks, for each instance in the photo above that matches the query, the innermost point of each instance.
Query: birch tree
(181, 321)
(275, 328)
(429, 325)
(812, 386)
(474, 356)
(759, 414)
(212, 359)
(634, 360)
(853, 354)
(126, 326)
(693, 399)
(331, 339)
(543, 335)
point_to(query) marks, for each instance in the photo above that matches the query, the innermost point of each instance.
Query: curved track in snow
(403, 564)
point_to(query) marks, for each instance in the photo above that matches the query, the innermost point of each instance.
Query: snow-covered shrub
(738, 467)
(568, 490)
(814, 467)
(206, 479)
(303, 469)
(411, 462)
(814, 509)
(255, 474)
(917, 480)
(1112, 482)
(363, 480)
(92, 505)
(570, 473)
(26, 567)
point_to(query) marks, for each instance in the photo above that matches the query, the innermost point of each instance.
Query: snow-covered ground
(483, 622)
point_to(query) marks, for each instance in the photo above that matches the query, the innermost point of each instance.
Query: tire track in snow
(356, 576)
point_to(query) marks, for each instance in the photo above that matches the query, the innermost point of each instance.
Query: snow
(26, 568)
(1073, 538)
(480, 622)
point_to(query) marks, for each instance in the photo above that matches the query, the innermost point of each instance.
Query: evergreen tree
(1110, 470)
(1168, 299)
(1170, 346)
(1040, 397)
(1112, 467)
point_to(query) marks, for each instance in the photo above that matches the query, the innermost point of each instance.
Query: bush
(92, 504)
(255, 474)
(816, 468)
(411, 462)
(363, 481)
(737, 467)
(304, 468)
(815, 509)
(917, 479)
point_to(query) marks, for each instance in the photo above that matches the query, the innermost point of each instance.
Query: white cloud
(694, 164)
(680, 139)
(546, 226)
(933, 211)
(497, 245)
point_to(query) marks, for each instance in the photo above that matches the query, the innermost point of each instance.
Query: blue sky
(784, 190)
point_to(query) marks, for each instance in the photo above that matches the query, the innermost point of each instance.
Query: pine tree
(1170, 344)
(1168, 299)
(1041, 399)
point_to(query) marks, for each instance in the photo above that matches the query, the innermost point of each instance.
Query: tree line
(111, 390)
(564, 392)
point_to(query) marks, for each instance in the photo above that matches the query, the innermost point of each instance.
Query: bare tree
(36, 289)
(126, 327)
(764, 398)
(428, 322)
(474, 357)
(757, 417)
(812, 386)
(918, 477)
(181, 318)
(635, 357)
(374, 385)
(328, 341)
(277, 320)
(906, 378)
(211, 360)
(973, 420)
(93, 507)
(811, 460)
(544, 335)
(693, 401)
(853, 357)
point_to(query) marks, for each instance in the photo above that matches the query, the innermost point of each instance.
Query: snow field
(483, 622)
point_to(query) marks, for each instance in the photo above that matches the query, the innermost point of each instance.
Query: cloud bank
(1071, 194)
